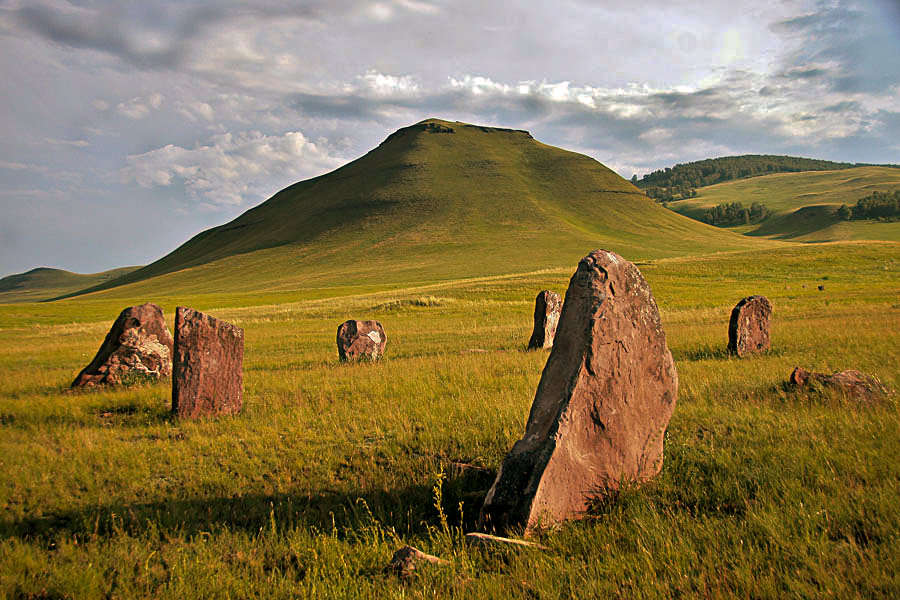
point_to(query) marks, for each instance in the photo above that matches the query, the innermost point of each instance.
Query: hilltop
(437, 200)
(45, 282)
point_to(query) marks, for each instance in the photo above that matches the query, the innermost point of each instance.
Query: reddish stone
(357, 340)
(851, 383)
(602, 406)
(207, 376)
(547, 308)
(748, 328)
(138, 344)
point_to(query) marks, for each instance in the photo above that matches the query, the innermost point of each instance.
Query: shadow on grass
(405, 511)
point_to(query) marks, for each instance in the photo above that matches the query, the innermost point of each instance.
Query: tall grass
(331, 467)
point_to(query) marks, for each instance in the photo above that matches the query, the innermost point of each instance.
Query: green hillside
(43, 283)
(435, 201)
(802, 206)
(681, 181)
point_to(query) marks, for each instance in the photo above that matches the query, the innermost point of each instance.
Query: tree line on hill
(682, 180)
(877, 205)
(735, 213)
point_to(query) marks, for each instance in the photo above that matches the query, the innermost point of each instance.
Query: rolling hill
(803, 206)
(43, 282)
(436, 200)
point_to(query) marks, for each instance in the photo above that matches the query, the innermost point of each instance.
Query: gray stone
(602, 406)
(547, 308)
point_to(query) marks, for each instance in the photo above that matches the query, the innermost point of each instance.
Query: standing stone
(357, 340)
(207, 377)
(748, 329)
(547, 308)
(602, 406)
(138, 344)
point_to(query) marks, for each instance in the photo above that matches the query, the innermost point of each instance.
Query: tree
(844, 213)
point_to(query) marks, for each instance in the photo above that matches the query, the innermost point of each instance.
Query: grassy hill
(435, 201)
(802, 206)
(42, 283)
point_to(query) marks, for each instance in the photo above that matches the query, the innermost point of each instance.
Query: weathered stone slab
(357, 340)
(748, 328)
(852, 383)
(547, 308)
(207, 375)
(602, 406)
(138, 345)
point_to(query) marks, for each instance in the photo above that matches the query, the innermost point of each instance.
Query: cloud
(232, 169)
(140, 107)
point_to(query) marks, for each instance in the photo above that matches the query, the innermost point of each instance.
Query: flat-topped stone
(602, 405)
(357, 340)
(207, 374)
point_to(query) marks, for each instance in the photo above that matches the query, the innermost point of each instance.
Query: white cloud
(232, 170)
(140, 107)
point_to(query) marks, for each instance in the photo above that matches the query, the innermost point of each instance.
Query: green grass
(331, 467)
(803, 205)
(426, 207)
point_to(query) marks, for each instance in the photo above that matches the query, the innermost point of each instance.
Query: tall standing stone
(207, 377)
(602, 406)
(547, 308)
(748, 328)
(358, 340)
(138, 344)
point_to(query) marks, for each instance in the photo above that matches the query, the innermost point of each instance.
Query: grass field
(332, 467)
(803, 205)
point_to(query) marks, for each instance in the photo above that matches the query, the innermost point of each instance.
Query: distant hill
(436, 200)
(802, 206)
(681, 181)
(43, 283)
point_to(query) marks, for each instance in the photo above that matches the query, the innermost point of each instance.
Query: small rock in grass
(852, 383)
(358, 340)
(547, 308)
(208, 368)
(748, 328)
(407, 558)
(138, 345)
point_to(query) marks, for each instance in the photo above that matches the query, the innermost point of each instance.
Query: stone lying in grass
(360, 340)
(137, 349)
(407, 558)
(748, 328)
(547, 308)
(602, 406)
(207, 374)
(851, 383)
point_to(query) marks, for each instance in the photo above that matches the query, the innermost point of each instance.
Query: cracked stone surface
(748, 328)
(138, 345)
(547, 308)
(602, 405)
(358, 340)
(207, 374)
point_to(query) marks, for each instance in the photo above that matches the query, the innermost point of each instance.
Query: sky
(128, 127)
